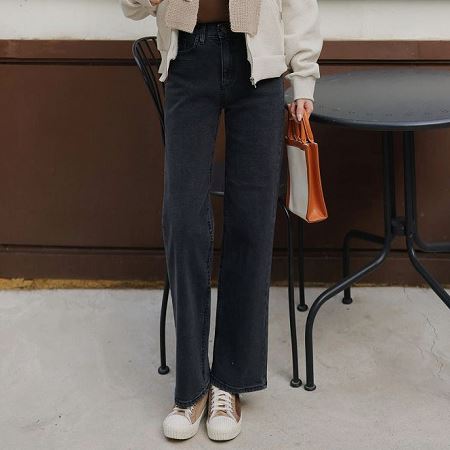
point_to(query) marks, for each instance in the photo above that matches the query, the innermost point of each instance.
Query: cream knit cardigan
(302, 39)
(244, 15)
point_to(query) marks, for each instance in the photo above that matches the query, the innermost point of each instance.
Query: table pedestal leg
(348, 280)
(394, 226)
(411, 220)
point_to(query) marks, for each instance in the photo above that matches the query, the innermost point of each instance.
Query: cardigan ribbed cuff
(303, 87)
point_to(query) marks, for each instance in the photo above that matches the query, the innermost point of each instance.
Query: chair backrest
(147, 59)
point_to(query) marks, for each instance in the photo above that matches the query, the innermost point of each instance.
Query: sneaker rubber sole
(174, 432)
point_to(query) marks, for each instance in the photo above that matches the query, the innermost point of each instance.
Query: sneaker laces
(221, 401)
(187, 412)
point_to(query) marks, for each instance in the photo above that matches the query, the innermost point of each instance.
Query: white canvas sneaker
(183, 423)
(224, 415)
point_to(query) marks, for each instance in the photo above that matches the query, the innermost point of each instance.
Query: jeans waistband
(214, 29)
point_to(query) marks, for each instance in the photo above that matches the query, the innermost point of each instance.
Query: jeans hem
(187, 403)
(235, 389)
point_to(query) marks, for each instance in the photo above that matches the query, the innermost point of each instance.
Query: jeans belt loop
(202, 33)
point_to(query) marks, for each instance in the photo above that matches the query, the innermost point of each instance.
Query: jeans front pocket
(187, 42)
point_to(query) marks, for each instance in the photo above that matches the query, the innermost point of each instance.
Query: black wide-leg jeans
(210, 73)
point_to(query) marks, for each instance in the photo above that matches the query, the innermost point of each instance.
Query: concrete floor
(78, 371)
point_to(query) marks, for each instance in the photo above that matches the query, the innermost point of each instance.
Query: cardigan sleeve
(138, 9)
(303, 44)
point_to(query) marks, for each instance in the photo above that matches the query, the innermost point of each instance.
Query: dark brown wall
(81, 167)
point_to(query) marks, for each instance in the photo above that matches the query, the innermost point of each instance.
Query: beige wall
(341, 19)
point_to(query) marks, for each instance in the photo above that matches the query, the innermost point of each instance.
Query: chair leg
(347, 300)
(163, 368)
(295, 381)
(302, 306)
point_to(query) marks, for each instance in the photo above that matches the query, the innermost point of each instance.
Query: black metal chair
(147, 59)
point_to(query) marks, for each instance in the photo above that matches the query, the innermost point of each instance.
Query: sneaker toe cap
(177, 421)
(222, 423)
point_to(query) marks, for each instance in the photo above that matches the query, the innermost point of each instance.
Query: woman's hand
(299, 107)
(155, 2)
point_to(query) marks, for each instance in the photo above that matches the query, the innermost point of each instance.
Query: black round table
(389, 100)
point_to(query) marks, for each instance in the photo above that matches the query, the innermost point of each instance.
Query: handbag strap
(307, 127)
(300, 131)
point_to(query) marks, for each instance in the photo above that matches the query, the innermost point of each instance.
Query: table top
(383, 99)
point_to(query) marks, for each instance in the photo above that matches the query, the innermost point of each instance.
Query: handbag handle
(300, 131)
(307, 126)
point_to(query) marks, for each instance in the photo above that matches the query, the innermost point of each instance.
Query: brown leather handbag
(304, 195)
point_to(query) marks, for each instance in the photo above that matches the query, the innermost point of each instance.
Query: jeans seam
(220, 274)
(219, 291)
(221, 63)
(208, 269)
(274, 213)
(208, 290)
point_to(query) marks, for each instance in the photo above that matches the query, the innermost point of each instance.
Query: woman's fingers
(309, 106)
(291, 108)
(300, 107)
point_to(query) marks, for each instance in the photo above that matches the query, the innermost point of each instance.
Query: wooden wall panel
(82, 155)
(82, 164)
